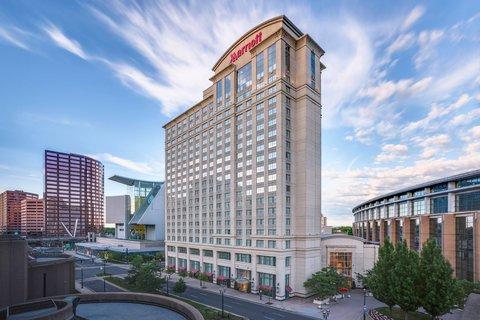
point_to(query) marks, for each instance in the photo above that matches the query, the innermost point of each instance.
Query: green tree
(343, 229)
(439, 292)
(180, 286)
(405, 278)
(143, 276)
(325, 283)
(380, 280)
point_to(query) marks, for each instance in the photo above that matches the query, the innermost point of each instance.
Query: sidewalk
(350, 308)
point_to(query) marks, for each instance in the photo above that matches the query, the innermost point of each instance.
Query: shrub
(180, 286)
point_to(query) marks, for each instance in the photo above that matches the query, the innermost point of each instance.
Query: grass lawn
(101, 274)
(208, 313)
(399, 314)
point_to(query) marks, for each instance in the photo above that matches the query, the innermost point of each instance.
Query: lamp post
(364, 303)
(167, 278)
(82, 276)
(222, 291)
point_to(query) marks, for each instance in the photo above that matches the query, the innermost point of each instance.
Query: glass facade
(469, 201)
(399, 230)
(468, 182)
(464, 247)
(244, 81)
(436, 230)
(439, 205)
(342, 262)
(418, 207)
(415, 234)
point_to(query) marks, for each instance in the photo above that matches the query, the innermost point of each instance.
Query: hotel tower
(243, 167)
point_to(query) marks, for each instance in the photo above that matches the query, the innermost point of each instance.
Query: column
(280, 279)
(448, 239)
(367, 235)
(424, 230)
(254, 288)
(406, 231)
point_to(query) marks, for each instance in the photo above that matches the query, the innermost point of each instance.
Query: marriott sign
(246, 48)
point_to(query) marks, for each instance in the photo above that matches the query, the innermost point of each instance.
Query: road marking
(193, 296)
(203, 294)
(267, 317)
(227, 305)
(278, 315)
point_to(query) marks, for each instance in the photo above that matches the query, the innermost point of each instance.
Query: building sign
(246, 48)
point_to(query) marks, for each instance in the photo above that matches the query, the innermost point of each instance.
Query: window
(287, 62)
(288, 261)
(436, 230)
(272, 65)
(272, 244)
(312, 69)
(440, 187)
(195, 252)
(468, 182)
(403, 209)
(464, 247)
(419, 206)
(242, 257)
(223, 255)
(439, 204)
(267, 260)
(244, 76)
(469, 201)
(219, 92)
(228, 87)
(260, 66)
(342, 262)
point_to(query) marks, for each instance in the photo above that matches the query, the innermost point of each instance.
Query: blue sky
(401, 94)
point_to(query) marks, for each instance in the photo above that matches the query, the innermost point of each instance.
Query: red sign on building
(246, 48)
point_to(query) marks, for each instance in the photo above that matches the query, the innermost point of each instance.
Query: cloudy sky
(401, 94)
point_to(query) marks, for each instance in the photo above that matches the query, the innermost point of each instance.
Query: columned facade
(446, 210)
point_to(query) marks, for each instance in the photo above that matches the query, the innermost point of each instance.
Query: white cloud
(436, 111)
(387, 89)
(62, 41)
(433, 145)
(472, 139)
(413, 17)
(465, 118)
(427, 41)
(15, 36)
(347, 189)
(403, 42)
(140, 167)
(391, 153)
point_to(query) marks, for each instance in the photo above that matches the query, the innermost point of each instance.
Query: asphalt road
(251, 310)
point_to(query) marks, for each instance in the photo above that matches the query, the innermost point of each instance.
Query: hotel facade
(446, 210)
(243, 167)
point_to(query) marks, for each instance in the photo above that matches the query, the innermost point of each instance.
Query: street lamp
(82, 276)
(364, 303)
(222, 291)
(167, 278)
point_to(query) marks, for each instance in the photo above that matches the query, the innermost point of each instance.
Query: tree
(180, 286)
(325, 283)
(438, 290)
(405, 278)
(380, 280)
(143, 275)
(343, 229)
